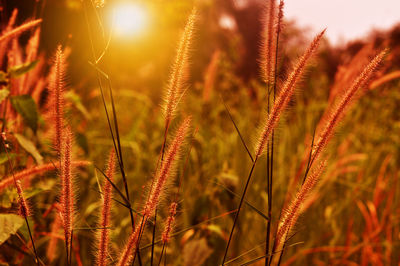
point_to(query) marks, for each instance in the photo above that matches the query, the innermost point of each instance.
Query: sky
(344, 19)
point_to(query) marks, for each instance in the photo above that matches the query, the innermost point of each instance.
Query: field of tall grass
(199, 144)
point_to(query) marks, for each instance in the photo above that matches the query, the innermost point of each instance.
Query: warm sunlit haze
(129, 19)
(346, 20)
(199, 132)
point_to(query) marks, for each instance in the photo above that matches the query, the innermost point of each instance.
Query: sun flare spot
(129, 20)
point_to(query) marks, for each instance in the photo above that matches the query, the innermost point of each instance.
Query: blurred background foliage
(363, 157)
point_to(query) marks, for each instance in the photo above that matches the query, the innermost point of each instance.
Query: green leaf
(3, 93)
(23, 230)
(16, 71)
(26, 107)
(3, 77)
(9, 225)
(40, 187)
(29, 147)
(76, 100)
(81, 140)
(8, 197)
(4, 157)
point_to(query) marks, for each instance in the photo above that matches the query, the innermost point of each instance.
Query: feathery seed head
(52, 246)
(337, 114)
(67, 193)
(284, 96)
(293, 211)
(130, 247)
(170, 222)
(24, 209)
(177, 79)
(110, 167)
(29, 173)
(102, 257)
(167, 167)
(18, 30)
(280, 16)
(56, 87)
(268, 43)
(162, 175)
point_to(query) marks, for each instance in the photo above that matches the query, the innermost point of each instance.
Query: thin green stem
(239, 208)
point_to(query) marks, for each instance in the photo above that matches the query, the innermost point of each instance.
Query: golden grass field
(194, 141)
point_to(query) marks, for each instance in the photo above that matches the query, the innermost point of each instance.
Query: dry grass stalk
(24, 209)
(284, 96)
(18, 30)
(31, 55)
(280, 18)
(166, 169)
(268, 45)
(54, 238)
(177, 78)
(56, 86)
(10, 25)
(67, 193)
(127, 254)
(337, 114)
(169, 224)
(210, 76)
(293, 211)
(103, 250)
(28, 174)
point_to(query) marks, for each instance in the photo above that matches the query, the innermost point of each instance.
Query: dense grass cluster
(297, 166)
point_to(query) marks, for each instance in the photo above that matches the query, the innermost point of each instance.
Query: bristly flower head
(56, 87)
(31, 172)
(169, 224)
(24, 209)
(268, 43)
(293, 211)
(285, 95)
(102, 255)
(18, 30)
(177, 79)
(167, 167)
(67, 193)
(280, 17)
(130, 247)
(344, 104)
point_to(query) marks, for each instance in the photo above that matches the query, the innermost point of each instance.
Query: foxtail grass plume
(167, 167)
(130, 247)
(28, 174)
(103, 250)
(285, 94)
(169, 224)
(24, 209)
(290, 216)
(347, 99)
(267, 47)
(18, 30)
(51, 251)
(67, 193)
(56, 87)
(280, 17)
(177, 78)
(32, 76)
(4, 44)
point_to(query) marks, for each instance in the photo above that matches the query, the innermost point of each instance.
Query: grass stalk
(238, 210)
(23, 205)
(271, 157)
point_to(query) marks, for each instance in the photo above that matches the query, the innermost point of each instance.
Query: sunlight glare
(129, 19)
